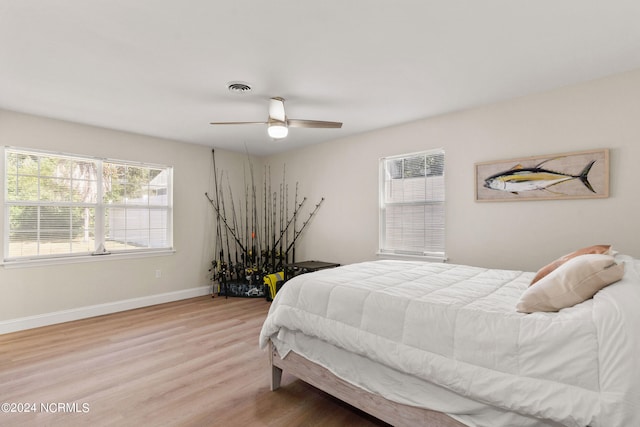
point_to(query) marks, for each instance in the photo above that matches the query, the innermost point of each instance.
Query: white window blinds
(62, 205)
(412, 204)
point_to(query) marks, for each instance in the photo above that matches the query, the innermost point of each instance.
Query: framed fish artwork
(578, 175)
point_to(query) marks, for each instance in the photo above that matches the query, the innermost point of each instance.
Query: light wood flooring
(194, 362)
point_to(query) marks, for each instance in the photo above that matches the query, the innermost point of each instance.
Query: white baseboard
(14, 325)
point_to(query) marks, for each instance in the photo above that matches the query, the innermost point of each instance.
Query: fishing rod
(286, 215)
(281, 214)
(304, 224)
(295, 220)
(255, 232)
(214, 264)
(246, 215)
(295, 212)
(235, 219)
(266, 204)
(219, 228)
(224, 221)
(273, 239)
(224, 215)
(271, 228)
(246, 220)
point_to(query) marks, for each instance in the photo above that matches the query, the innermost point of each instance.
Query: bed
(418, 343)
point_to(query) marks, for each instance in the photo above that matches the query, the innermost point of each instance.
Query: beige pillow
(595, 249)
(573, 282)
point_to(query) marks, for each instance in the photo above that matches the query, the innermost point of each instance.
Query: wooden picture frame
(577, 175)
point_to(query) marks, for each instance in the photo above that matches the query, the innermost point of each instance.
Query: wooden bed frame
(393, 413)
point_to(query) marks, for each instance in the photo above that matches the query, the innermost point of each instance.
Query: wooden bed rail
(393, 413)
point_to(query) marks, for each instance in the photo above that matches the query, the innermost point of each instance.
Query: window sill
(84, 258)
(426, 258)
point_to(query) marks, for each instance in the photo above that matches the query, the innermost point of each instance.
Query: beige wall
(40, 290)
(513, 235)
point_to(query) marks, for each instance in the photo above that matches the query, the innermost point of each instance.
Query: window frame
(99, 206)
(425, 253)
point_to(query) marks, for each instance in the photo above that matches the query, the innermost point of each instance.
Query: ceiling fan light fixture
(278, 130)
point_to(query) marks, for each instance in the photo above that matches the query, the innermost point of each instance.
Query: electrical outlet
(158, 274)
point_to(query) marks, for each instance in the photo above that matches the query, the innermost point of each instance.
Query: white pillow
(595, 249)
(573, 282)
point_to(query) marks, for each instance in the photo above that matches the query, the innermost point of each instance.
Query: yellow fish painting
(519, 178)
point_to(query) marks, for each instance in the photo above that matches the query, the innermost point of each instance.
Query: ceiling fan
(278, 123)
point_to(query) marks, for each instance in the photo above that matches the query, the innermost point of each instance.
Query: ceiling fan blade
(295, 123)
(276, 109)
(238, 123)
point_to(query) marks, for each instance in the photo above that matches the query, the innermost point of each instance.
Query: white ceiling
(161, 67)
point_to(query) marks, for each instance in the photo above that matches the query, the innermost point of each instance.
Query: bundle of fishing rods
(250, 244)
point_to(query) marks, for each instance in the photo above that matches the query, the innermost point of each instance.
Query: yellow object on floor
(273, 282)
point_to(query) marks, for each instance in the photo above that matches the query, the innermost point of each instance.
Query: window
(61, 205)
(412, 204)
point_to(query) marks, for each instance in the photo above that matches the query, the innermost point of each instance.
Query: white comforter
(456, 326)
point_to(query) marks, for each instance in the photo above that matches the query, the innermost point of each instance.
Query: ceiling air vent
(239, 87)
